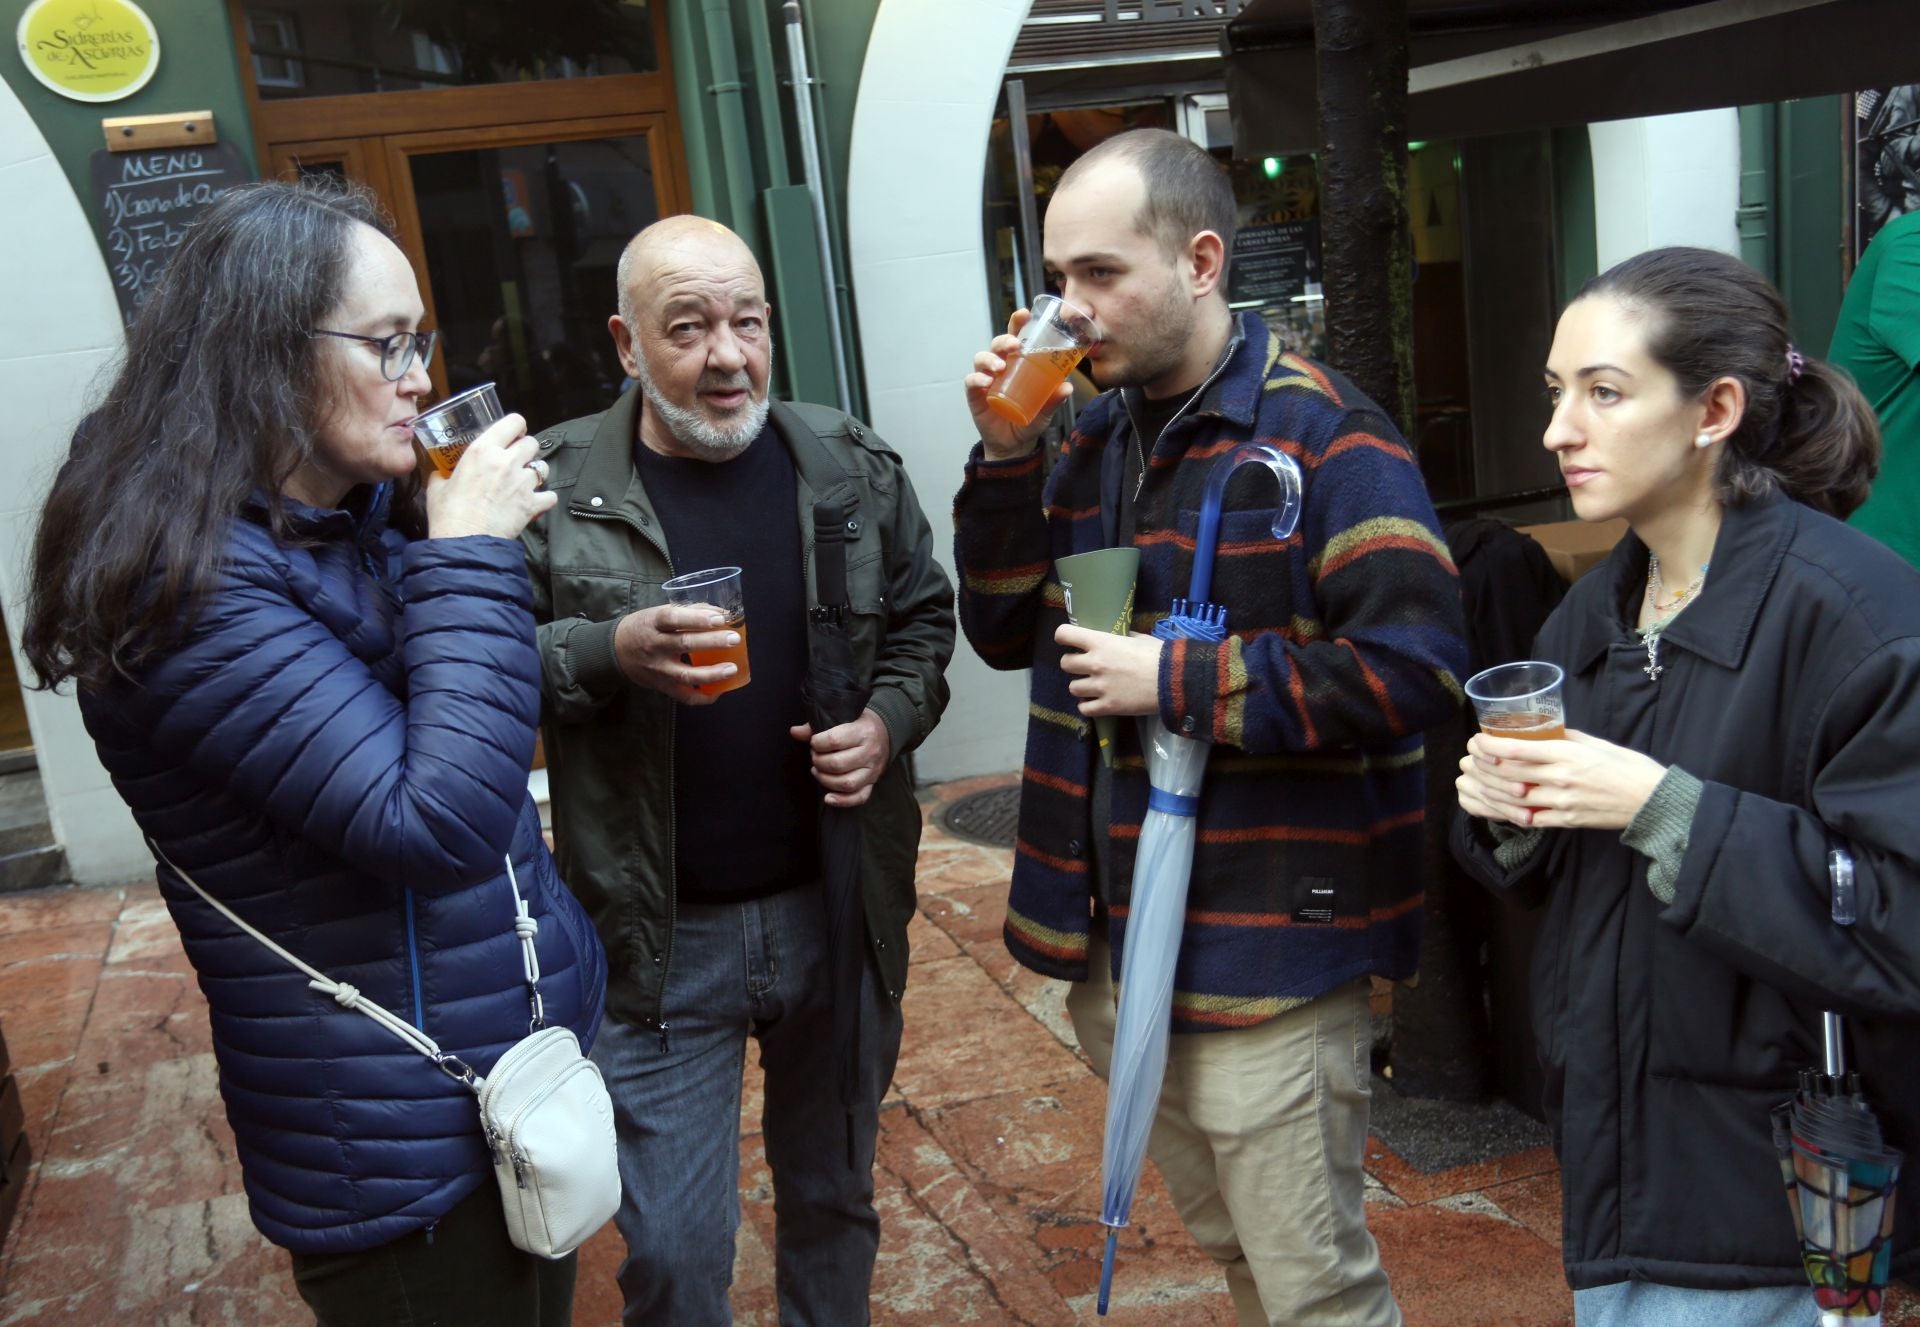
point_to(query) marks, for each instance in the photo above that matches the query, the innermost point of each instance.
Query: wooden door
(512, 199)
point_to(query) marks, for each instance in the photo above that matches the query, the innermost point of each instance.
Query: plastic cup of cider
(446, 430)
(1520, 700)
(717, 588)
(1057, 336)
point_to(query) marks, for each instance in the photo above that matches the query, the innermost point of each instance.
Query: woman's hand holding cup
(495, 489)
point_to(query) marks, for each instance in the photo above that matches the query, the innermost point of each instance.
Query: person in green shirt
(1877, 340)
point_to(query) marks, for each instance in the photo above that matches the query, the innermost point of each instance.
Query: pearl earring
(1703, 439)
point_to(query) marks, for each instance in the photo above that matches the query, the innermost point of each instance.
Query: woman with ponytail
(1742, 695)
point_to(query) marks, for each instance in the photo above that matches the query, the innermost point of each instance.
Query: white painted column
(915, 181)
(1667, 179)
(59, 334)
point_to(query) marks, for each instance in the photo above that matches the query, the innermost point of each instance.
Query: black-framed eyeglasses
(397, 352)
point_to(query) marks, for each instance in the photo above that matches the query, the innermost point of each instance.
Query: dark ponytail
(1832, 442)
(1806, 431)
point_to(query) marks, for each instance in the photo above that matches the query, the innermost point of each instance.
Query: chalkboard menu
(146, 201)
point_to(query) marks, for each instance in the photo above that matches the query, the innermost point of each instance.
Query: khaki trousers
(1260, 1136)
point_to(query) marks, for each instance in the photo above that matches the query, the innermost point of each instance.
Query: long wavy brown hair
(216, 400)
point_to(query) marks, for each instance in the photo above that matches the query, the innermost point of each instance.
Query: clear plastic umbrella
(1175, 767)
(1837, 1169)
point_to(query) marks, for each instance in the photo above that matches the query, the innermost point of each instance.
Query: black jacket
(1792, 688)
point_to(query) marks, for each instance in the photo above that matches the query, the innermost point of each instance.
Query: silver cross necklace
(1671, 610)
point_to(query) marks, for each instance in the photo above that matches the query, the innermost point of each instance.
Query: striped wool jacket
(1347, 640)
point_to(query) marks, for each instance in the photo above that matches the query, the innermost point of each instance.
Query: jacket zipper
(1146, 453)
(413, 961)
(512, 1136)
(673, 866)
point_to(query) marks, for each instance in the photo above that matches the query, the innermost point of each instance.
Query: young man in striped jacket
(1346, 641)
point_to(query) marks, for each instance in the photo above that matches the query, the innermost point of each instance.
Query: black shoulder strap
(817, 465)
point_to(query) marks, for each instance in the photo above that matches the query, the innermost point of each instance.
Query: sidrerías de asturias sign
(89, 50)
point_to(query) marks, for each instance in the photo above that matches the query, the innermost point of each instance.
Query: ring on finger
(539, 468)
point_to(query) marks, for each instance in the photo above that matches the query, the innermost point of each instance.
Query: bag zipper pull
(519, 1175)
(493, 1144)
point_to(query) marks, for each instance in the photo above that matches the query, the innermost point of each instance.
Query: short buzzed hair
(1186, 192)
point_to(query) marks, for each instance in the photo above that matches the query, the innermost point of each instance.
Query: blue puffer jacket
(339, 753)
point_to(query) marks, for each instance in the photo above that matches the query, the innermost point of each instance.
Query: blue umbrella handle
(1285, 517)
(1106, 1270)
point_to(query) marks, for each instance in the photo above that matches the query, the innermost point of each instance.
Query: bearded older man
(686, 816)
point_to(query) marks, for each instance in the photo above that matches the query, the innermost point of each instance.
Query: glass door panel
(519, 243)
(317, 48)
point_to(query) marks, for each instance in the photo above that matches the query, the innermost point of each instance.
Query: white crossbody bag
(544, 1108)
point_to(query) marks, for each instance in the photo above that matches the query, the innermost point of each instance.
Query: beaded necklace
(1665, 613)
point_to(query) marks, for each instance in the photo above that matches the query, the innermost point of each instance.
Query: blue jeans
(755, 968)
(1643, 1304)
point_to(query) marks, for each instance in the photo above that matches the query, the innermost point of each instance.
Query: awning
(1483, 69)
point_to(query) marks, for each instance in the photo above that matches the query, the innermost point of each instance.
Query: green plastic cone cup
(1099, 589)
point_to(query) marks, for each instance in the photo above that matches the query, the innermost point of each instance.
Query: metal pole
(1023, 187)
(731, 113)
(810, 167)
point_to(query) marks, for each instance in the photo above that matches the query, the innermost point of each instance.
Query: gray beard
(706, 440)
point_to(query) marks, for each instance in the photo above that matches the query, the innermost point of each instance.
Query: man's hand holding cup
(1022, 378)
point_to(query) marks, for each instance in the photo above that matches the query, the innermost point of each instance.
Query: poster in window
(1886, 158)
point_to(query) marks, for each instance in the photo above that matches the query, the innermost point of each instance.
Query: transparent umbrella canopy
(1838, 1172)
(1176, 766)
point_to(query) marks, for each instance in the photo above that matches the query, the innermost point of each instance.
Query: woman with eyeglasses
(315, 685)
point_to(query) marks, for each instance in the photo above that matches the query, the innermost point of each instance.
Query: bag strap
(349, 997)
(526, 926)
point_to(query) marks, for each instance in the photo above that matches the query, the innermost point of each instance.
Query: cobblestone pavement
(988, 1172)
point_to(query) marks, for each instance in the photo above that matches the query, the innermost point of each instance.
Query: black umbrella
(834, 696)
(1838, 1171)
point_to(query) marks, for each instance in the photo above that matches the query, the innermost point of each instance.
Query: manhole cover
(990, 816)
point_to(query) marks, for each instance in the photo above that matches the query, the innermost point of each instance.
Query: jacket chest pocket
(867, 598)
(594, 594)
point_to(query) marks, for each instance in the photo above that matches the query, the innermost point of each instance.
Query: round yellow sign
(89, 50)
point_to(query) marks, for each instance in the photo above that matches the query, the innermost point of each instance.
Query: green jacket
(601, 554)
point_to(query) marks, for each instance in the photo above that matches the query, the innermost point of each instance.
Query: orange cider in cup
(445, 458)
(1056, 336)
(733, 654)
(446, 430)
(1529, 725)
(1029, 382)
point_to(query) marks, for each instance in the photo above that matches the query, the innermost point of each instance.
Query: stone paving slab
(987, 1182)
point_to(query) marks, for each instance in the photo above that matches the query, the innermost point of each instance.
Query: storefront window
(521, 247)
(315, 48)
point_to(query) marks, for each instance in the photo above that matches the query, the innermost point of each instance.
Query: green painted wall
(837, 52)
(743, 154)
(1813, 197)
(199, 71)
(1793, 202)
(1576, 250)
